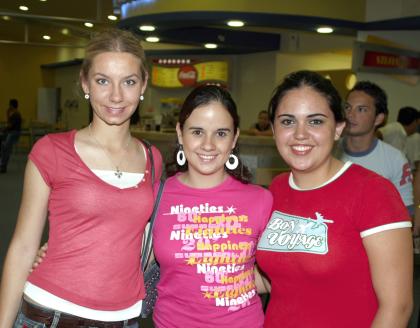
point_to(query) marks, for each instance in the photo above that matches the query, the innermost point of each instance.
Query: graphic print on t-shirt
(289, 233)
(217, 242)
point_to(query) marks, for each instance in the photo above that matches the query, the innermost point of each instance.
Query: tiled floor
(10, 193)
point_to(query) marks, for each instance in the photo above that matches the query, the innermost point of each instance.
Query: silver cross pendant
(118, 173)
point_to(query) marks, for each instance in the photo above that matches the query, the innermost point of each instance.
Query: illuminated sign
(189, 75)
(380, 59)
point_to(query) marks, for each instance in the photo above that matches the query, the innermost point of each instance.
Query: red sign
(374, 58)
(187, 75)
(383, 59)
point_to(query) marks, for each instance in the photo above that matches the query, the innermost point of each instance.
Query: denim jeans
(22, 321)
(12, 137)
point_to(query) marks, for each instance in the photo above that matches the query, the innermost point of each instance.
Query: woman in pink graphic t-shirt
(209, 222)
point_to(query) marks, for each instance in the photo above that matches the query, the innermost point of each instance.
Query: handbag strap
(147, 241)
(152, 161)
(147, 245)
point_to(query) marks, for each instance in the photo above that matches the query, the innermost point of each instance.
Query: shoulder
(390, 151)
(54, 139)
(358, 175)
(280, 181)
(253, 188)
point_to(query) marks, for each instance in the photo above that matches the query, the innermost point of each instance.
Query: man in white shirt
(396, 133)
(365, 110)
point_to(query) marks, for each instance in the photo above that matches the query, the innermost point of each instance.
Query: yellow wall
(21, 74)
(287, 63)
(323, 8)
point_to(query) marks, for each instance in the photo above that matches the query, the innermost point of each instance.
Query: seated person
(262, 127)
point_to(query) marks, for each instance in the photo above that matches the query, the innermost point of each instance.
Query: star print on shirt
(231, 210)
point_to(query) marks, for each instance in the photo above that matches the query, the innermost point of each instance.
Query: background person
(338, 247)
(95, 184)
(396, 133)
(209, 222)
(262, 127)
(365, 109)
(11, 134)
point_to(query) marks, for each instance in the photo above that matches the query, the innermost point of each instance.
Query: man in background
(262, 127)
(11, 134)
(365, 109)
(396, 133)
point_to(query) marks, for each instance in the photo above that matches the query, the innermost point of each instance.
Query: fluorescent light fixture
(236, 23)
(152, 39)
(325, 29)
(210, 45)
(112, 17)
(23, 8)
(88, 24)
(46, 37)
(147, 28)
(350, 81)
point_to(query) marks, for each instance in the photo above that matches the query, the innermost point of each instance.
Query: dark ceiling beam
(224, 38)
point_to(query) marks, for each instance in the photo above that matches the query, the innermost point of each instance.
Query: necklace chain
(118, 173)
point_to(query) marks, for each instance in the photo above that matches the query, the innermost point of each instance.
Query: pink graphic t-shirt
(205, 242)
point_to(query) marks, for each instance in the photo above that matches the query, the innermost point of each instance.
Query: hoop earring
(232, 165)
(87, 96)
(141, 97)
(180, 156)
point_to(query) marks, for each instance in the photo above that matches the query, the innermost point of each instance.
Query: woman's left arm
(390, 255)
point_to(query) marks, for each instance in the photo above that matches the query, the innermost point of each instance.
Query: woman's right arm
(261, 282)
(24, 244)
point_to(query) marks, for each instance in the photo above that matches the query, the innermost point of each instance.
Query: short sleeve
(381, 208)
(402, 177)
(43, 156)
(266, 209)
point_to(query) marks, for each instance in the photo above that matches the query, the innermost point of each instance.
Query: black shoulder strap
(147, 240)
(152, 162)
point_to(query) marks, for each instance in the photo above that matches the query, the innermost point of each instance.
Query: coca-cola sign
(187, 75)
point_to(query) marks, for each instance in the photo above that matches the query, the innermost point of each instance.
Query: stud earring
(87, 96)
(141, 98)
(232, 162)
(180, 156)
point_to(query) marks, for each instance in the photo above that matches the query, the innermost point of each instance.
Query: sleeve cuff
(385, 227)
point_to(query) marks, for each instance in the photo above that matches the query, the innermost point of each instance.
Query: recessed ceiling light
(325, 29)
(43, 0)
(236, 23)
(210, 45)
(46, 37)
(6, 18)
(88, 24)
(65, 31)
(24, 8)
(147, 28)
(112, 17)
(152, 39)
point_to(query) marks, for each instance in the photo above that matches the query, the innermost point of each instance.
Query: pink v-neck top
(95, 229)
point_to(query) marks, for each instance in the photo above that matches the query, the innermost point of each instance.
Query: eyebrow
(362, 105)
(200, 128)
(310, 116)
(125, 77)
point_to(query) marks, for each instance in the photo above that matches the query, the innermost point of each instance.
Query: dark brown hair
(200, 96)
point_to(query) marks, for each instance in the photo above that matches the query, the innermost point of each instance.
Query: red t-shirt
(95, 229)
(312, 249)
